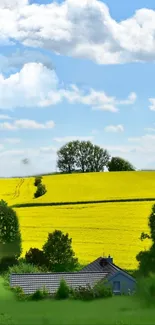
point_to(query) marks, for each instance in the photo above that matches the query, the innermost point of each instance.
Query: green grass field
(113, 311)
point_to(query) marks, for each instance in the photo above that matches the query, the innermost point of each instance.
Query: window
(116, 286)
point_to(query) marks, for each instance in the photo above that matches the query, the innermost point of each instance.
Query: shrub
(40, 294)
(102, 290)
(35, 256)
(41, 190)
(21, 268)
(63, 290)
(146, 290)
(7, 262)
(83, 293)
(38, 180)
(19, 293)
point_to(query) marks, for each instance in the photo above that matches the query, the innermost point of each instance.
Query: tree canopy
(10, 236)
(146, 258)
(59, 253)
(120, 164)
(82, 156)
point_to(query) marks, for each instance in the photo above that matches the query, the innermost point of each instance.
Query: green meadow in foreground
(119, 310)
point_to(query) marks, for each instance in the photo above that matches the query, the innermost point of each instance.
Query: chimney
(109, 259)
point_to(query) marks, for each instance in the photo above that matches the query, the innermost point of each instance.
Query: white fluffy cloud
(5, 117)
(73, 138)
(82, 29)
(114, 128)
(26, 124)
(152, 104)
(37, 86)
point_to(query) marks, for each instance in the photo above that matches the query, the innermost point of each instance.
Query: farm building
(100, 269)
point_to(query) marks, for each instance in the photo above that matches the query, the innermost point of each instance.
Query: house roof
(110, 268)
(31, 282)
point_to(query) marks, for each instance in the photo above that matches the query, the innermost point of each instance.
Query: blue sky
(76, 69)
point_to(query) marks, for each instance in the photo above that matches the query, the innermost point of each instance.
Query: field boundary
(37, 204)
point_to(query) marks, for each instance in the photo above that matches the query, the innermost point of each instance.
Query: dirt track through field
(17, 189)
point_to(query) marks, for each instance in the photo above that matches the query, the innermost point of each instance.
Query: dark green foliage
(7, 262)
(21, 268)
(67, 157)
(102, 290)
(118, 164)
(63, 290)
(35, 256)
(146, 258)
(59, 253)
(83, 293)
(82, 156)
(40, 294)
(41, 190)
(151, 224)
(38, 180)
(146, 290)
(10, 236)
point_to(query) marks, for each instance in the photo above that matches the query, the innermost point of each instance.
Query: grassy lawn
(112, 311)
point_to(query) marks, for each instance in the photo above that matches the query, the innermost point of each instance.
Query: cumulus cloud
(41, 160)
(152, 104)
(26, 124)
(16, 60)
(97, 37)
(73, 138)
(114, 128)
(5, 117)
(13, 4)
(37, 86)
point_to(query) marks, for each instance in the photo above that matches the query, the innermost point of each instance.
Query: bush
(146, 290)
(40, 294)
(41, 190)
(35, 256)
(63, 290)
(38, 180)
(21, 268)
(102, 290)
(7, 262)
(83, 293)
(19, 293)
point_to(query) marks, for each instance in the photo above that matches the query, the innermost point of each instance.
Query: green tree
(38, 180)
(67, 156)
(10, 236)
(59, 253)
(146, 258)
(35, 256)
(118, 164)
(82, 156)
(41, 190)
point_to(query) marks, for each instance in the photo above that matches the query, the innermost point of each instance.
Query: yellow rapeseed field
(95, 229)
(81, 187)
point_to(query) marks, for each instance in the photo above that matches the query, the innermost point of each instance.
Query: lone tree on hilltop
(58, 252)
(118, 164)
(10, 236)
(82, 156)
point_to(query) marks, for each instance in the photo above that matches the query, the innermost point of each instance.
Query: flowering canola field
(111, 228)
(80, 187)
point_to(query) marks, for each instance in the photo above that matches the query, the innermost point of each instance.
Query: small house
(100, 269)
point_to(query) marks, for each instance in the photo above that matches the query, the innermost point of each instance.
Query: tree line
(85, 157)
